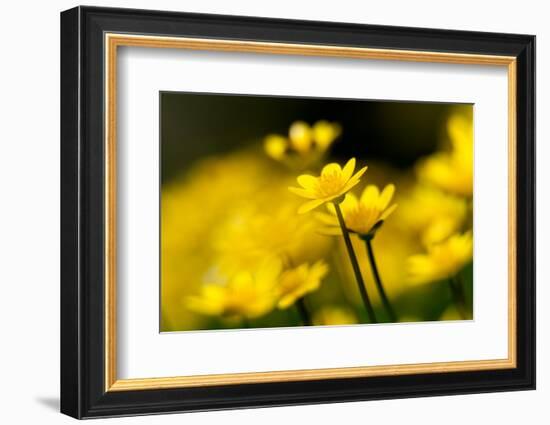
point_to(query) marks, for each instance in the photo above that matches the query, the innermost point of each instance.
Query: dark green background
(197, 125)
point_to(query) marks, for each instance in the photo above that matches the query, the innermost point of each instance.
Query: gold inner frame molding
(113, 41)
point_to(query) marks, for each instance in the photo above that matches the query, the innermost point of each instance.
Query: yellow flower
(300, 136)
(251, 234)
(363, 214)
(297, 282)
(325, 133)
(187, 231)
(452, 171)
(335, 316)
(275, 146)
(246, 295)
(442, 261)
(304, 144)
(333, 183)
(432, 214)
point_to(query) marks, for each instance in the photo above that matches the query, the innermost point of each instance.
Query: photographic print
(323, 199)
(290, 211)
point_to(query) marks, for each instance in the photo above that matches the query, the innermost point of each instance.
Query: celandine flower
(443, 260)
(249, 235)
(360, 215)
(333, 183)
(302, 141)
(297, 282)
(431, 213)
(331, 186)
(191, 217)
(363, 216)
(452, 171)
(246, 295)
(276, 146)
(325, 133)
(300, 137)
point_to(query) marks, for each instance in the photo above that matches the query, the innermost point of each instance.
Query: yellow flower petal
(285, 302)
(319, 269)
(307, 182)
(369, 196)
(268, 271)
(442, 260)
(242, 279)
(302, 192)
(308, 206)
(348, 169)
(359, 173)
(296, 282)
(349, 204)
(332, 168)
(354, 181)
(385, 197)
(330, 231)
(387, 213)
(327, 219)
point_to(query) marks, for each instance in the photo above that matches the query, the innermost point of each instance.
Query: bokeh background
(225, 205)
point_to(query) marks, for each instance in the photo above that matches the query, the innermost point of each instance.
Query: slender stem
(378, 281)
(355, 265)
(304, 313)
(458, 298)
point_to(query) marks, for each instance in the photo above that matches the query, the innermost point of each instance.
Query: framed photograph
(261, 212)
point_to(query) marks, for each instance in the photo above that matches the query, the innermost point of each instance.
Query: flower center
(361, 219)
(330, 184)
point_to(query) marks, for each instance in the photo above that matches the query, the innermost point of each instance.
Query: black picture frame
(82, 218)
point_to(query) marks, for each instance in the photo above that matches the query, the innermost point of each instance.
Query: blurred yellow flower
(431, 214)
(360, 215)
(301, 137)
(297, 282)
(246, 295)
(442, 260)
(325, 133)
(251, 234)
(305, 142)
(452, 171)
(333, 183)
(275, 146)
(189, 256)
(335, 316)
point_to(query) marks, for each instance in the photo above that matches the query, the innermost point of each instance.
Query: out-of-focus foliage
(235, 252)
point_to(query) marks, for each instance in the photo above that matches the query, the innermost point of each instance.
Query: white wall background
(29, 212)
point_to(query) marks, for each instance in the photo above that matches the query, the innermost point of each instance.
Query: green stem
(458, 297)
(304, 313)
(355, 265)
(378, 281)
